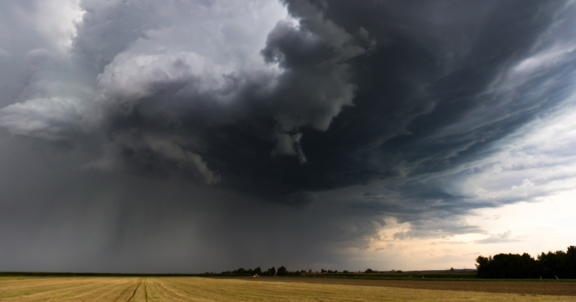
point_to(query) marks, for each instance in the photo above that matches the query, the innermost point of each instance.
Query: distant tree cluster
(371, 271)
(551, 265)
(269, 272)
(329, 271)
(282, 271)
(244, 272)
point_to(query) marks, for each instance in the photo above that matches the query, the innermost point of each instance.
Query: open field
(209, 289)
(517, 287)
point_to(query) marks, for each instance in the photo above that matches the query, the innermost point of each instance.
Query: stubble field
(211, 289)
(496, 286)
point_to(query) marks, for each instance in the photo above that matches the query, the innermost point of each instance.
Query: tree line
(281, 271)
(557, 265)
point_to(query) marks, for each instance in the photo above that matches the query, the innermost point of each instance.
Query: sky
(143, 136)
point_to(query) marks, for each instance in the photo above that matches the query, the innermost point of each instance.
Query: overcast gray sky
(207, 135)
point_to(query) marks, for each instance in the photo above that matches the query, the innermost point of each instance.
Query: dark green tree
(507, 266)
(559, 264)
(552, 265)
(571, 262)
(271, 271)
(282, 271)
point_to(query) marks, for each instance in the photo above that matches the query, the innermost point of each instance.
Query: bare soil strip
(516, 287)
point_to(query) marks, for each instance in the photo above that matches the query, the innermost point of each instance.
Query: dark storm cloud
(426, 98)
(320, 124)
(352, 116)
(78, 221)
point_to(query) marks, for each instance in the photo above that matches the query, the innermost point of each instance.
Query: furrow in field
(126, 294)
(163, 292)
(108, 291)
(196, 291)
(141, 293)
(134, 293)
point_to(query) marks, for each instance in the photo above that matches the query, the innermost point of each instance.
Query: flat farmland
(517, 287)
(213, 289)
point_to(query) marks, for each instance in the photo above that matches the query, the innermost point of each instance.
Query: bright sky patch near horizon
(139, 136)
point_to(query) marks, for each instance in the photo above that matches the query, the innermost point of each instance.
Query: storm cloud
(204, 135)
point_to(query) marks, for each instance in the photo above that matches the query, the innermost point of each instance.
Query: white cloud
(48, 118)
(131, 78)
(498, 239)
(57, 20)
(537, 161)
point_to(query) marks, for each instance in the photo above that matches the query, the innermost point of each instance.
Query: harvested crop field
(211, 289)
(517, 287)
